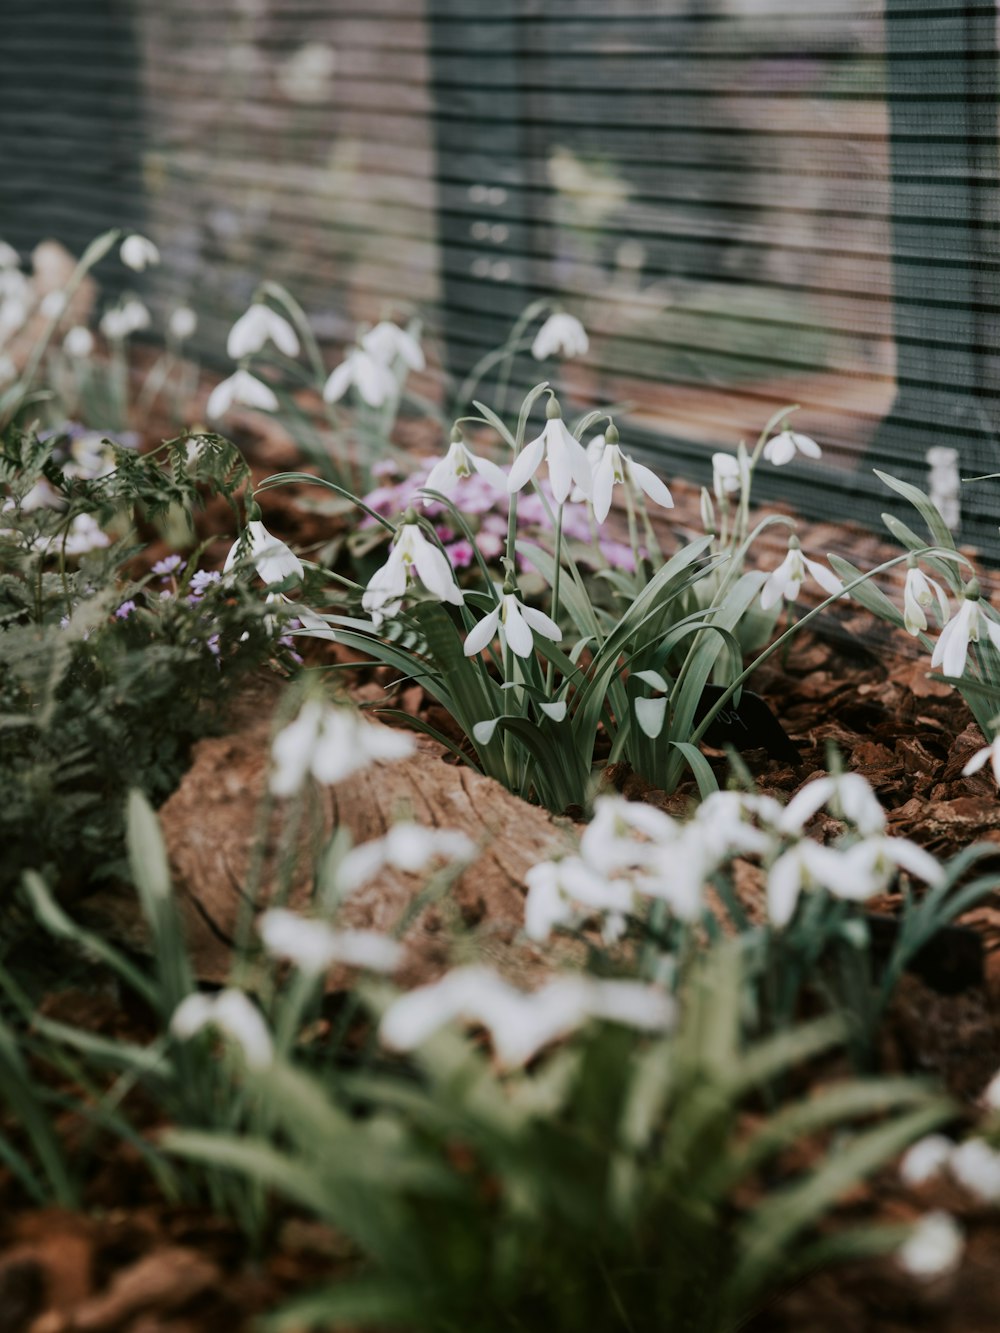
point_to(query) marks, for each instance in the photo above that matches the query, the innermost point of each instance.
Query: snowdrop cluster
(330, 744)
(520, 1024)
(632, 853)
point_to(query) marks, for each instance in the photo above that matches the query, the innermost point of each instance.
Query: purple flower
(212, 644)
(125, 610)
(461, 555)
(167, 565)
(201, 580)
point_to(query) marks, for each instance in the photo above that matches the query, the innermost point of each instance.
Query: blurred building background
(748, 202)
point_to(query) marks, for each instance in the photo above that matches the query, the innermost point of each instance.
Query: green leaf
(650, 714)
(928, 511)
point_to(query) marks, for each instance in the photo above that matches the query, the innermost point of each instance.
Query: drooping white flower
(933, 1248)
(807, 865)
(615, 468)
(459, 463)
(989, 752)
(138, 252)
(387, 341)
(374, 381)
(872, 864)
(85, 534)
(568, 892)
(515, 624)
(121, 321)
(231, 1012)
(561, 334)
(787, 579)
(677, 875)
(330, 744)
(976, 1167)
(738, 823)
(782, 448)
(567, 458)
(926, 1159)
(241, 389)
(182, 323)
(273, 560)
(965, 627)
(9, 258)
(314, 946)
(609, 843)
(78, 343)
(53, 304)
(849, 793)
(413, 556)
(730, 473)
(520, 1024)
(258, 326)
(919, 593)
(408, 847)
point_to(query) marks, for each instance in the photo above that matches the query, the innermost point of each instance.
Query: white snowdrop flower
(459, 463)
(726, 820)
(965, 627)
(241, 389)
(805, 866)
(934, 1247)
(182, 324)
(677, 874)
(273, 560)
(314, 946)
(13, 315)
(260, 325)
(138, 252)
(9, 258)
(520, 1024)
(85, 534)
(560, 335)
(330, 744)
(926, 1159)
(787, 579)
(991, 1094)
(387, 341)
(372, 378)
(567, 458)
(53, 304)
(919, 593)
(848, 792)
(593, 450)
(568, 892)
(782, 448)
(232, 1013)
(413, 556)
(78, 343)
(408, 847)
(989, 752)
(730, 473)
(610, 843)
(515, 623)
(872, 864)
(121, 321)
(976, 1167)
(614, 468)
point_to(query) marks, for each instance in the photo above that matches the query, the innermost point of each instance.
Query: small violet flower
(965, 627)
(125, 610)
(787, 579)
(561, 334)
(167, 565)
(567, 458)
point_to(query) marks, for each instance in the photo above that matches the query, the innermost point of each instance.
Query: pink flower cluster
(485, 508)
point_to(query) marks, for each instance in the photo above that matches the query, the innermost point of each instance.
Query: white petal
(220, 400)
(784, 883)
(541, 623)
(436, 573)
(977, 761)
(493, 474)
(648, 481)
(603, 483)
(338, 382)
(526, 464)
(516, 629)
(823, 576)
(483, 634)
